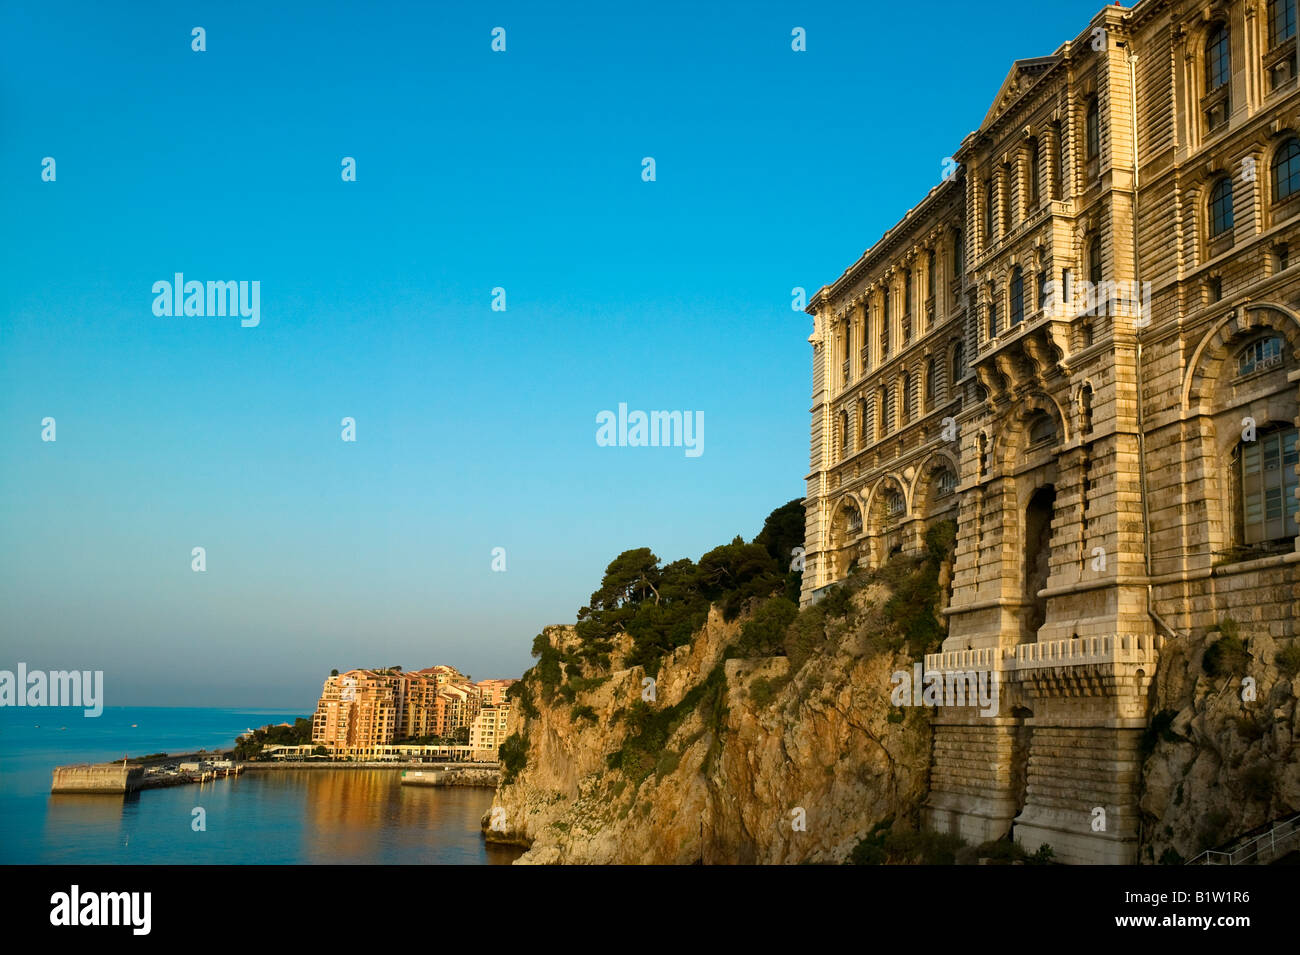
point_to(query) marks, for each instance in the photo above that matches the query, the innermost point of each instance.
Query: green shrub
(582, 713)
(1226, 656)
(513, 754)
(1288, 660)
(763, 691)
(763, 634)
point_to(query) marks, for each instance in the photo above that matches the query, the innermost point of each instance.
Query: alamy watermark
(1098, 298)
(83, 688)
(946, 688)
(654, 429)
(213, 299)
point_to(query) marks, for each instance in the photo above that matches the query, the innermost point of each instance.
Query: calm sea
(302, 817)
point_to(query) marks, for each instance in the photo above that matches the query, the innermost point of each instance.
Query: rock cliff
(1224, 758)
(768, 759)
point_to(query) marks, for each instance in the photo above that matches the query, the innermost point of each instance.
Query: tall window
(990, 209)
(1043, 301)
(844, 432)
(1017, 297)
(1085, 410)
(993, 312)
(864, 421)
(1094, 261)
(1268, 485)
(1218, 70)
(1218, 62)
(946, 482)
(884, 324)
(884, 411)
(931, 386)
(929, 274)
(1286, 170)
(906, 387)
(907, 291)
(958, 362)
(1092, 131)
(1281, 21)
(865, 347)
(1034, 180)
(1221, 207)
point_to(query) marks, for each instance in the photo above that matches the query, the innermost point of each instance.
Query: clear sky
(475, 428)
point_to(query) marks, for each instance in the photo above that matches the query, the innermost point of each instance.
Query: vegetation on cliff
(761, 708)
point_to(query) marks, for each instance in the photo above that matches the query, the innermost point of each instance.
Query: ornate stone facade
(1086, 357)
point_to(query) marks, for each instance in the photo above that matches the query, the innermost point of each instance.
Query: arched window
(1092, 131)
(1286, 170)
(1085, 410)
(1268, 486)
(1218, 59)
(958, 362)
(1034, 174)
(945, 482)
(895, 505)
(844, 432)
(1017, 297)
(1259, 355)
(1042, 428)
(1221, 208)
(852, 519)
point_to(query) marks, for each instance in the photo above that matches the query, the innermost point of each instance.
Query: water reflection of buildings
(353, 815)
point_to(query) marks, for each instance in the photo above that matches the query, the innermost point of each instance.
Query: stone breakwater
(484, 778)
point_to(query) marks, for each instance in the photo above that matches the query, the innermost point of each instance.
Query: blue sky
(475, 428)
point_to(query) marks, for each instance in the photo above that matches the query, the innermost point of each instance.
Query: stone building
(1085, 354)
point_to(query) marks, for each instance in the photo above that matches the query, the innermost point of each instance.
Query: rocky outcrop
(1225, 751)
(763, 762)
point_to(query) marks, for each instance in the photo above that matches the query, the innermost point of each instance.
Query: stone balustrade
(1076, 651)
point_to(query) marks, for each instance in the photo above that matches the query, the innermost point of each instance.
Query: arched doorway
(1038, 552)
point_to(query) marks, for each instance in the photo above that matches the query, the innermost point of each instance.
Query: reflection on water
(287, 816)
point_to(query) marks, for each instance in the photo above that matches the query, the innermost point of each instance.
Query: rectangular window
(1281, 21)
(1268, 485)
